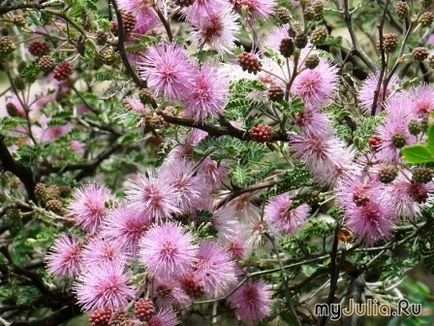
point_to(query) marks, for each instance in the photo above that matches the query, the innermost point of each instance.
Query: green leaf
(431, 139)
(417, 154)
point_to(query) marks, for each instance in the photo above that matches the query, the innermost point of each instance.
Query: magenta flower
(146, 18)
(100, 252)
(275, 37)
(367, 92)
(63, 259)
(189, 189)
(208, 95)
(152, 197)
(88, 206)
(215, 269)
(252, 301)
(283, 216)
(368, 210)
(104, 286)
(217, 31)
(164, 317)
(168, 250)
(394, 131)
(316, 86)
(167, 70)
(124, 227)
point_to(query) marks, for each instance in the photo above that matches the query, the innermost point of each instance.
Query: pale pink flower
(367, 92)
(77, 146)
(368, 210)
(252, 301)
(201, 10)
(275, 37)
(215, 269)
(146, 18)
(167, 70)
(124, 227)
(208, 96)
(316, 86)
(313, 121)
(213, 172)
(225, 222)
(168, 292)
(51, 133)
(63, 259)
(88, 206)
(283, 216)
(99, 252)
(164, 317)
(421, 99)
(168, 250)
(257, 9)
(104, 286)
(236, 243)
(216, 32)
(152, 197)
(189, 189)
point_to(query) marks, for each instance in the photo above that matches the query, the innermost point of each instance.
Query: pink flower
(313, 121)
(168, 292)
(215, 269)
(104, 286)
(168, 70)
(281, 214)
(216, 32)
(368, 210)
(409, 197)
(257, 9)
(367, 92)
(213, 172)
(63, 260)
(316, 86)
(152, 197)
(326, 156)
(236, 244)
(50, 134)
(252, 301)
(146, 18)
(88, 206)
(421, 99)
(100, 252)
(165, 317)
(224, 220)
(77, 146)
(124, 227)
(275, 37)
(201, 10)
(208, 95)
(168, 250)
(394, 131)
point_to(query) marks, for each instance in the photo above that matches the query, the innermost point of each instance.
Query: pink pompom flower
(63, 259)
(215, 269)
(275, 37)
(252, 301)
(208, 95)
(88, 206)
(368, 210)
(124, 227)
(164, 317)
(146, 18)
(152, 197)
(421, 99)
(104, 286)
(257, 9)
(168, 250)
(99, 252)
(167, 70)
(316, 86)
(201, 10)
(216, 32)
(281, 214)
(168, 292)
(367, 92)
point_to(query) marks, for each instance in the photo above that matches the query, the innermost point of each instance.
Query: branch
(217, 131)
(34, 6)
(57, 318)
(121, 47)
(24, 173)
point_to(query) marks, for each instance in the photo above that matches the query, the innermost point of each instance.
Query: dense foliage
(222, 162)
